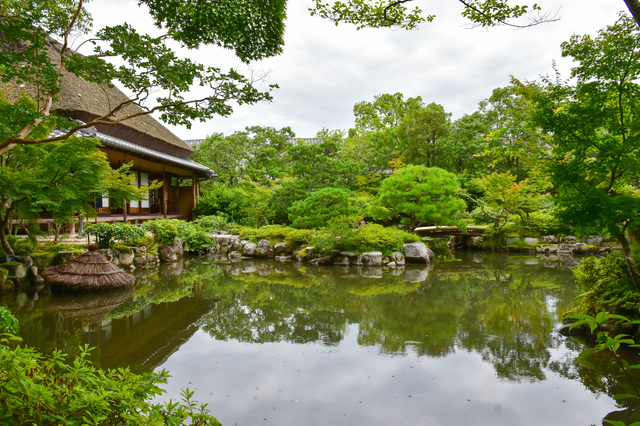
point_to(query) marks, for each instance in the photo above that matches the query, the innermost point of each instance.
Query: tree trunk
(5, 243)
(634, 8)
(631, 262)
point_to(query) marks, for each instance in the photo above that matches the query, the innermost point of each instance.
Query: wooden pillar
(124, 210)
(164, 194)
(194, 189)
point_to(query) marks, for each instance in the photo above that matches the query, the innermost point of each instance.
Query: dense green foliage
(107, 234)
(606, 287)
(8, 323)
(422, 196)
(594, 132)
(320, 207)
(40, 389)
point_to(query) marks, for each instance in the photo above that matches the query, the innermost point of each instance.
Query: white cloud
(324, 70)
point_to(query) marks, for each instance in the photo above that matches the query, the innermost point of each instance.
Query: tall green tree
(386, 111)
(421, 195)
(594, 129)
(511, 144)
(257, 154)
(423, 131)
(144, 65)
(313, 166)
(59, 178)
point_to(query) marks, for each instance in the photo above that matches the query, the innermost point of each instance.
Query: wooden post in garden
(124, 210)
(164, 194)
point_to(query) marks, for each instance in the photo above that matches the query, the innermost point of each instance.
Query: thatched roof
(85, 101)
(88, 272)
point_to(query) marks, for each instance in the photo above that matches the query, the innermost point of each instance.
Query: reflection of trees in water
(601, 374)
(509, 321)
(500, 309)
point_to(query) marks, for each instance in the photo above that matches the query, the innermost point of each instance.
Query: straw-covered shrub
(39, 389)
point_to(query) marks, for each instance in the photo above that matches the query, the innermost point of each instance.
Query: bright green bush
(223, 200)
(373, 237)
(275, 233)
(38, 389)
(107, 234)
(606, 287)
(321, 206)
(165, 231)
(212, 223)
(197, 240)
(22, 246)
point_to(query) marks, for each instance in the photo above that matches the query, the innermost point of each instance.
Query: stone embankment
(25, 270)
(549, 247)
(231, 247)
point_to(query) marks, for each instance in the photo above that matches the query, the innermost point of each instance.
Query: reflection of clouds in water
(311, 384)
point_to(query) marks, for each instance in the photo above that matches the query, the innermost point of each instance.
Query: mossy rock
(4, 275)
(15, 269)
(65, 256)
(43, 259)
(123, 249)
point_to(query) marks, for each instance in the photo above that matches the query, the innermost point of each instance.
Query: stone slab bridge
(457, 238)
(443, 231)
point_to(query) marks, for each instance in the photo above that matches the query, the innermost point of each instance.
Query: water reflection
(481, 310)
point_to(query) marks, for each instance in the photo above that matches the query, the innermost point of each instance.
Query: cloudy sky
(324, 70)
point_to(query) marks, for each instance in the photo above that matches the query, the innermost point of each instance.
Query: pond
(469, 340)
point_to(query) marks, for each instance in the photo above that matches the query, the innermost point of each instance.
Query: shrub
(165, 231)
(40, 389)
(320, 206)
(372, 237)
(107, 234)
(212, 223)
(22, 246)
(607, 287)
(275, 233)
(222, 200)
(196, 239)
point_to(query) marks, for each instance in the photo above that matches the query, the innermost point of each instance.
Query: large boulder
(475, 242)
(594, 240)
(167, 253)
(249, 249)
(397, 258)
(282, 247)
(370, 258)
(549, 239)
(264, 249)
(416, 253)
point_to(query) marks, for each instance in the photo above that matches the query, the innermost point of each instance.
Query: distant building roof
(296, 141)
(194, 142)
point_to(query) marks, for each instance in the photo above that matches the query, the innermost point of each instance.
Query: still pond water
(469, 341)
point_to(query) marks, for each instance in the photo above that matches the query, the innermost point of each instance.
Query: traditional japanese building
(156, 153)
